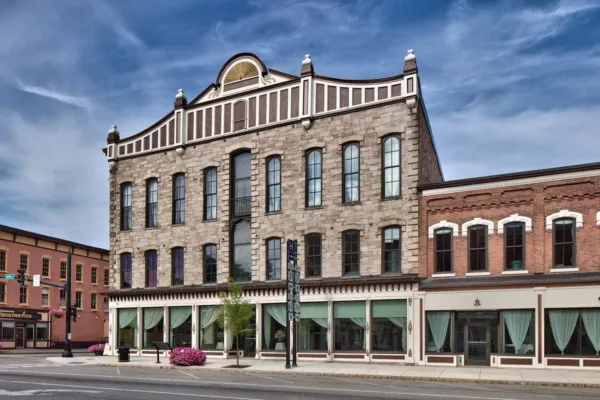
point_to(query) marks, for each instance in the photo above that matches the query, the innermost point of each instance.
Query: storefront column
(166, 326)
(112, 330)
(419, 328)
(258, 332)
(140, 329)
(410, 326)
(330, 329)
(368, 331)
(539, 328)
(195, 327)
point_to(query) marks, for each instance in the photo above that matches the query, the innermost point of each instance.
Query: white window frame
(477, 221)
(515, 218)
(443, 224)
(564, 214)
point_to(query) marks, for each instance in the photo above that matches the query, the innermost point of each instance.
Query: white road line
(183, 372)
(134, 390)
(238, 385)
(273, 379)
(118, 372)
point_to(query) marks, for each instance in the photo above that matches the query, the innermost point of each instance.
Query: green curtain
(362, 322)
(152, 316)
(563, 324)
(208, 316)
(314, 310)
(517, 323)
(401, 323)
(279, 313)
(591, 322)
(438, 324)
(321, 321)
(177, 316)
(350, 309)
(127, 317)
(388, 308)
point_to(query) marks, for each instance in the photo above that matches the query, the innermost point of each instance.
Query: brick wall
(429, 165)
(536, 201)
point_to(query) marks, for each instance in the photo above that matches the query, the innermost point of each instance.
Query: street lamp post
(67, 352)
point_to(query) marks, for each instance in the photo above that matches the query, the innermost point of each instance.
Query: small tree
(235, 313)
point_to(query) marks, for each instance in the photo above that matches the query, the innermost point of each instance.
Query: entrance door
(20, 342)
(477, 340)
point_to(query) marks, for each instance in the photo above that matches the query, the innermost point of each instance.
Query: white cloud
(82, 102)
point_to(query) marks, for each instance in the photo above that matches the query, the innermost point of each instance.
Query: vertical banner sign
(293, 298)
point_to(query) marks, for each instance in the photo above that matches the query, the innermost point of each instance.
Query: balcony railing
(240, 206)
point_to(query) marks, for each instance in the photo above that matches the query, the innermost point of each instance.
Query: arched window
(151, 203)
(239, 115)
(391, 167)
(443, 250)
(179, 199)
(351, 174)
(274, 258)
(210, 263)
(210, 194)
(126, 214)
(391, 249)
(126, 271)
(313, 178)
(478, 248)
(177, 266)
(564, 243)
(273, 184)
(313, 254)
(151, 259)
(351, 252)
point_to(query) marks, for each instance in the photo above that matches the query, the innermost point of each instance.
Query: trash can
(123, 354)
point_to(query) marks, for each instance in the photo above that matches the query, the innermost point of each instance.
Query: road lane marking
(188, 374)
(118, 372)
(273, 379)
(136, 391)
(42, 392)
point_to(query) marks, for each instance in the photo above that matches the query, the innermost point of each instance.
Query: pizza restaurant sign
(19, 315)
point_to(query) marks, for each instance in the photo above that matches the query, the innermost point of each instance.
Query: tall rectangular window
(274, 184)
(514, 245)
(93, 300)
(391, 249)
(274, 258)
(45, 267)
(177, 266)
(23, 295)
(2, 292)
(564, 243)
(94, 274)
(210, 263)
(351, 252)
(391, 167)
(313, 255)
(2, 260)
(45, 296)
(63, 298)
(313, 178)
(126, 211)
(79, 273)
(63, 270)
(351, 174)
(241, 185)
(443, 250)
(126, 271)
(152, 203)
(106, 277)
(210, 194)
(151, 268)
(24, 262)
(478, 248)
(179, 199)
(78, 303)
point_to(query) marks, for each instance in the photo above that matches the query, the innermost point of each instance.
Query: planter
(99, 352)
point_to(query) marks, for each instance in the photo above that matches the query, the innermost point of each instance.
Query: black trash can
(123, 354)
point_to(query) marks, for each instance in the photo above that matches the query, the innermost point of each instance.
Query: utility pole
(67, 352)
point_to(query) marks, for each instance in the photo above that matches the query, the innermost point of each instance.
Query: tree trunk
(237, 351)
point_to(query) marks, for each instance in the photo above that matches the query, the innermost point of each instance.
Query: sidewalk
(513, 376)
(38, 352)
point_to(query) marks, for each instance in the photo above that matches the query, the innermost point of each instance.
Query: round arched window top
(240, 71)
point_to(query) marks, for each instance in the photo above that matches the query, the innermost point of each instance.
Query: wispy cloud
(82, 102)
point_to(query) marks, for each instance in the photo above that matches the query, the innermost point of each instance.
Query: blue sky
(508, 85)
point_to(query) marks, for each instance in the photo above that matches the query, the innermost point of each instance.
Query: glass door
(20, 342)
(477, 339)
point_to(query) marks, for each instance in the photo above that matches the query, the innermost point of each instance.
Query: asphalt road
(30, 377)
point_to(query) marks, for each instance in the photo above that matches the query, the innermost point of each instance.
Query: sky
(508, 85)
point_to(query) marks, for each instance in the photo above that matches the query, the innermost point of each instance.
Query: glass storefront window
(29, 334)
(8, 331)
(438, 332)
(388, 326)
(313, 327)
(41, 332)
(274, 327)
(180, 322)
(350, 321)
(573, 331)
(153, 320)
(211, 334)
(519, 332)
(127, 335)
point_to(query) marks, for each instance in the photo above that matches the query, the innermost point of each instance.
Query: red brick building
(510, 269)
(25, 321)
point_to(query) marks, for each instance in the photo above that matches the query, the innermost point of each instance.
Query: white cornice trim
(564, 214)
(512, 182)
(477, 221)
(514, 218)
(443, 224)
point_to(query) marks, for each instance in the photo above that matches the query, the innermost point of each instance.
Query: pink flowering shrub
(96, 347)
(58, 313)
(187, 356)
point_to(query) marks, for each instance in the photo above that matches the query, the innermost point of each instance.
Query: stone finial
(180, 100)
(113, 135)
(410, 62)
(307, 66)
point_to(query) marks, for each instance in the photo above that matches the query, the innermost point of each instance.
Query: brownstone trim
(388, 357)
(591, 363)
(516, 361)
(557, 362)
(539, 338)
(349, 356)
(440, 359)
(279, 355)
(213, 353)
(312, 355)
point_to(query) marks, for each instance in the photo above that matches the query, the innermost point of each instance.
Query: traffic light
(21, 277)
(74, 313)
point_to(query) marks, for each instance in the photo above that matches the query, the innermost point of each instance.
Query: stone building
(213, 190)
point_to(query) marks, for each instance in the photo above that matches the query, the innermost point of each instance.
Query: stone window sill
(564, 270)
(313, 207)
(443, 275)
(515, 272)
(391, 198)
(356, 203)
(273, 212)
(478, 273)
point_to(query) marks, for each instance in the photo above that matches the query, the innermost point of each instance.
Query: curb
(363, 376)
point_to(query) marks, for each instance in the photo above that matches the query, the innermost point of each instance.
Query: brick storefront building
(25, 321)
(511, 269)
(213, 190)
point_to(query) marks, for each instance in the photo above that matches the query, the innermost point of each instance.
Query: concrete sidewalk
(487, 375)
(38, 352)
